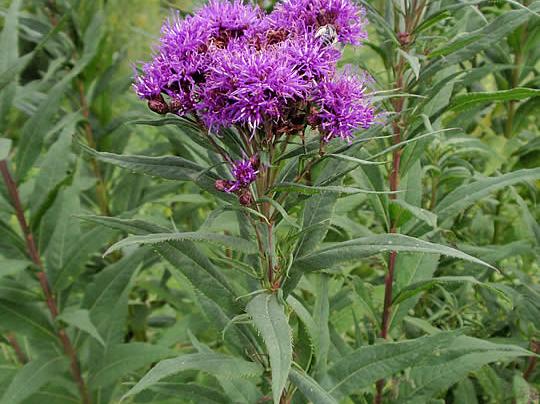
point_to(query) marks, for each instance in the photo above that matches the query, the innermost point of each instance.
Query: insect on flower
(327, 35)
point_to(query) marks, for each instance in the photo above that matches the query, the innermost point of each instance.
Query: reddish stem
(533, 360)
(43, 281)
(21, 357)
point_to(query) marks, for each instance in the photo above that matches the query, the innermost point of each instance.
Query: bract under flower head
(342, 106)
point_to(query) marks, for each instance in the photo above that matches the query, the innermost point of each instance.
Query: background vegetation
(460, 87)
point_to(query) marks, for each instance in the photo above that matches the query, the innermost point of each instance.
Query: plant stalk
(394, 187)
(21, 357)
(43, 281)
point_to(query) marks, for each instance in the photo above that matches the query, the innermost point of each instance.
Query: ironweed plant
(325, 201)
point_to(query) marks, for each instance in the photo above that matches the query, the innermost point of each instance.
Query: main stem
(394, 186)
(43, 281)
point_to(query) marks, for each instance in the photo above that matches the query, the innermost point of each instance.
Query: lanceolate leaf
(213, 363)
(186, 257)
(81, 319)
(465, 101)
(310, 388)
(366, 246)
(32, 377)
(454, 363)
(418, 287)
(235, 243)
(371, 363)
(5, 146)
(310, 190)
(269, 319)
(466, 195)
(121, 359)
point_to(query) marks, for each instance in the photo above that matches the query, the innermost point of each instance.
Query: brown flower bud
(255, 161)
(175, 105)
(404, 38)
(245, 197)
(158, 105)
(221, 185)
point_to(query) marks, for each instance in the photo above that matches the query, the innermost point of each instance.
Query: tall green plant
(399, 267)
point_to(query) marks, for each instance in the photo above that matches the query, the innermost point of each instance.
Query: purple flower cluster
(233, 65)
(244, 172)
(266, 74)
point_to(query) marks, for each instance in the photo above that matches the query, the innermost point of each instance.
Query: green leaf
(269, 319)
(310, 388)
(123, 359)
(9, 49)
(367, 246)
(67, 231)
(27, 319)
(413, 62)
(192, 392)
(5, 146)
(168, 167)
(313, 189)
(106, 298)
(55, 165)
(185, 257)
(235, 243)
(455, 361)
(368, 364)
(522, 391)
(354, 159)
(212, 363)
(424, 215)
(427, 284)
(474, 42)
(466, 195)
(466, 101)
(12, 267)
(321, 318)
(31, 377)
(81, 319)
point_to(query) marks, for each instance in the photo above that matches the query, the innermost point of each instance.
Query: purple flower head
(244, 173)
(342, 106)
(347, 18)
(248, 87)
(227, 20)
(309, 58)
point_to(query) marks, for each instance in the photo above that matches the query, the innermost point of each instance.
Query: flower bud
(404, 38)
(255, 161)
(221, 185)
(245, 198)
(158, 105)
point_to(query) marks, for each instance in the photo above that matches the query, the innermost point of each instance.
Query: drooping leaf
(185, 256)
(420, 286)
(269, 319)
(213, 363)
(465, 101)
(454, 362)
(328, 257)
(468, 194)
(235, 243)
(368, 364)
